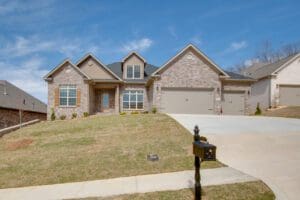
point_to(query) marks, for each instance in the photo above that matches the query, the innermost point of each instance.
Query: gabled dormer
(133, 66)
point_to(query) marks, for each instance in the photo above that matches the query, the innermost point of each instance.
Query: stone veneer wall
(11, 117)
(68, 75)
(188, 71)
(239, 86)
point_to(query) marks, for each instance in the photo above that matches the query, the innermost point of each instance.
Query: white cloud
(238, 45)
(22, 46)
(137, 45)
(27, 75)
(7, 7)
(196, 40)
(173, 32)
(250, 62)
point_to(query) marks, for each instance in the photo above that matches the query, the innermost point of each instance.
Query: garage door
(187, 101)
(289, 95)
(233, 103)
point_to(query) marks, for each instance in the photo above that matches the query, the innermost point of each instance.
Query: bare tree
(290, 49)
(265, 52)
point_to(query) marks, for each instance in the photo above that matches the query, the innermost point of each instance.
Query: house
(189, 82)
(18, 106)
(278, 83)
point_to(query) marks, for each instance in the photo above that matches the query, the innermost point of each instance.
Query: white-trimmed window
(133, 99)
(67, 95)
(133, 71)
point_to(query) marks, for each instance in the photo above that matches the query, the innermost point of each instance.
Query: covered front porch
(104, 98)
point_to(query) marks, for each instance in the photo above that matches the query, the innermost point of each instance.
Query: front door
(105, 102)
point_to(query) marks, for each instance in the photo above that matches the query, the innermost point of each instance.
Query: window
(133, 99)
(67, 95)
(129, 71)
(133, 71)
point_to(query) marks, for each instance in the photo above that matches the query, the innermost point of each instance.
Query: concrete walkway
(126, 185)
(264, 147)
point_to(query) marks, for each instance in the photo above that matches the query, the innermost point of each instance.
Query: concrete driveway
(264, 147)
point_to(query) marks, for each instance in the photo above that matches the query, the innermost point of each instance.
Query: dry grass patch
(290, 112)
(23, 143)
(256, 190)
(95, 148)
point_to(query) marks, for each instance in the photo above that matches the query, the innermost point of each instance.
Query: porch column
(117, 99)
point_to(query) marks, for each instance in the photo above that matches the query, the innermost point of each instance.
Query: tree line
(267, 54)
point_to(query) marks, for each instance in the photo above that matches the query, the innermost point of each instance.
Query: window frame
(68, 87)
(134, 69)
(136, 94)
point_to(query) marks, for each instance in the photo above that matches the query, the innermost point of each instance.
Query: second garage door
(233, 103)
(187, 101)
(289, 95)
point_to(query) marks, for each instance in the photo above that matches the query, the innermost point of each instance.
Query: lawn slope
(97, 147)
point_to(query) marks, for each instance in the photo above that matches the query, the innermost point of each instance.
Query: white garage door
(233, 103)
(289, 95)
(187, 101)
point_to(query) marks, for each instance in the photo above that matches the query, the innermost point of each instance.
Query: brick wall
(67, 75)
(188, 70)
(10, 117)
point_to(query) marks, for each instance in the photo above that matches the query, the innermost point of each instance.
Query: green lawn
(290, 112)
(256, 190)
(97, 147)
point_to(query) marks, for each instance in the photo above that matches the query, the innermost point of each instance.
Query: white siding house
(278, 83)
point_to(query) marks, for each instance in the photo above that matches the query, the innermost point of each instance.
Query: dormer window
(133, 71)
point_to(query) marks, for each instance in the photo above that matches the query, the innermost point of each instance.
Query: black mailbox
(206, 151)
(203, 151)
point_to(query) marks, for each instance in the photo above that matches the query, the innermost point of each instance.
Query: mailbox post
(203, 151)
(197, 166)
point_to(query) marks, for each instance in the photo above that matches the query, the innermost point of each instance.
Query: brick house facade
(135, 85)
(17, 106)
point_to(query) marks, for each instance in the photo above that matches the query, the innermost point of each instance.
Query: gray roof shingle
(116, 67)
(267, 69)
(14, 98)
(237, 76)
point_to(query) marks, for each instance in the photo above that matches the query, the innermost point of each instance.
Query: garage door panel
(187, 101)
(289, 95)
(233, 103)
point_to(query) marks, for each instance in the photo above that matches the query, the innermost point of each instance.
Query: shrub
(134, 112)
(258, 110)
(122, 113)
(154, 110)
(63, 117)
(145, 112)
(74, 115)
(52, 114)
(85, 114)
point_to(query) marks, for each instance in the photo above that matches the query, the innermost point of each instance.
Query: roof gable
(199, 53)
(131, 54)
(100, 65)
(47, 77)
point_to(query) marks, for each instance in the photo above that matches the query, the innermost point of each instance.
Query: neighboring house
(188, 83)
(278, 83)
(18, 106)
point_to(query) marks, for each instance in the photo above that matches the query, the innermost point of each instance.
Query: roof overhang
(133, 53)
(105, 81)
(239, 80)
(286, 64)
(48, 77)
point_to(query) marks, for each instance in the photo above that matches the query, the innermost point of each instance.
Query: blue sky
(37, 35)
